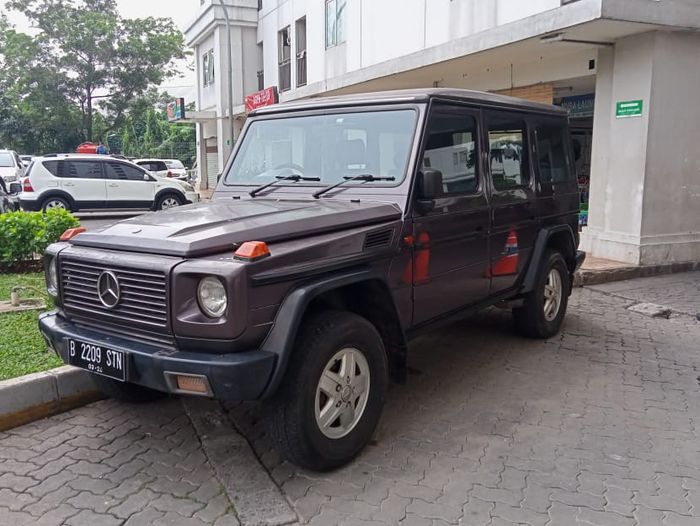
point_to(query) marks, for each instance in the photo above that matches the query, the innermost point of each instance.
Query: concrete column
(645, 171)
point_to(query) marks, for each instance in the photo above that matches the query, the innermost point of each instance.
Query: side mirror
(429, 189)
(15, 188)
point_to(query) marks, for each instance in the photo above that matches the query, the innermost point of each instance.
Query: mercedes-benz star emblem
(108, 289)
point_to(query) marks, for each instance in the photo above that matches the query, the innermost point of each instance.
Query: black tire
(163, 200)
(531, 319)
(55, 202)
(125, 392)
(292, 418)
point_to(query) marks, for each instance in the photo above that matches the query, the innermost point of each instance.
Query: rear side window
(123, 172)
(52, 167)
(507, 151)
(553, 154)
(81, 169)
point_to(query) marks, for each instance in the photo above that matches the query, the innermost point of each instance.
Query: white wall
(380, 30)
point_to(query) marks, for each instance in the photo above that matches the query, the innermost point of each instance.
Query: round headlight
(212, 297)
(52, 277)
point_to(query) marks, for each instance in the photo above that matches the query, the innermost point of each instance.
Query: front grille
(143, 301)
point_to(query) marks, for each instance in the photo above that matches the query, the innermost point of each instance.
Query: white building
(644, 171)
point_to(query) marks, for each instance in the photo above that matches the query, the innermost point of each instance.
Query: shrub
(25, 235)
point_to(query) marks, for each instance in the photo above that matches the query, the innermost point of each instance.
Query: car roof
(412, 96)
(82, 156)
(148, 160)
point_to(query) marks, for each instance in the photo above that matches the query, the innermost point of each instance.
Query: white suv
(91, 182)
(11, 167)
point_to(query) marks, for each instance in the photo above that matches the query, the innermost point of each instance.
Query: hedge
(25, 235)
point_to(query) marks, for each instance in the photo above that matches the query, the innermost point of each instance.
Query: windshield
(329, 147)
(7, 160)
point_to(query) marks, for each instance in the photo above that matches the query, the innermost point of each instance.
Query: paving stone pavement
(679, 292)
(598, 426)
(110, 463)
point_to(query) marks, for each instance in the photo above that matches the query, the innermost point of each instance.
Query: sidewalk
(595, 271)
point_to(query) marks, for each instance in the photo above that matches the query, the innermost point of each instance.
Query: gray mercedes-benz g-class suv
(340, 229)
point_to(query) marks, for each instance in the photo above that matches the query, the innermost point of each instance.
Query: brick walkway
(597, 426)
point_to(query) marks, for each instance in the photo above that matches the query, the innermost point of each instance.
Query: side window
(82, 169)
(552, 153)
(508, 150)
(451, 147)
(124, 172)
(160, 166)
(54, 168)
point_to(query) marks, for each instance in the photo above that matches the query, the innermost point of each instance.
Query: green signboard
(629, 108)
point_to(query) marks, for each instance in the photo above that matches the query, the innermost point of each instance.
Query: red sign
(266, 97)
(87, 147)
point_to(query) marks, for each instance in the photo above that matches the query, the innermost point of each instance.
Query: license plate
(97, 359)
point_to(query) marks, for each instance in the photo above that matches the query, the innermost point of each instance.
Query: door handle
(69, 184)
(113, 185)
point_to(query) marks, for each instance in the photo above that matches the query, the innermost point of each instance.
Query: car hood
(214, 227)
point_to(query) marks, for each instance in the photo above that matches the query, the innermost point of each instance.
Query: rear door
(128, 186)
(514, 221)
(451, 253)
(84, 181)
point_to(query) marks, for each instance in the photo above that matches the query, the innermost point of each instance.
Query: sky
(182, 14)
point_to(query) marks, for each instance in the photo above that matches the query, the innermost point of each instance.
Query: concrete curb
(596, 277)
(254, 495)
(35, 396)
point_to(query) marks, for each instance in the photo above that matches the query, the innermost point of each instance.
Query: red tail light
(170, 174)
(27, 186)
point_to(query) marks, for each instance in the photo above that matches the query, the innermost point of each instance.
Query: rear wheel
(52, 203)
(544, 308)
(168, 201)
(125, 392)
(333, 392)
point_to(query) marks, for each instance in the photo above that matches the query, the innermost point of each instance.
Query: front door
(127, 186)
(514, 220)
(451, 242)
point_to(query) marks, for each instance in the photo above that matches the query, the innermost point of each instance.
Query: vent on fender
(378, 239)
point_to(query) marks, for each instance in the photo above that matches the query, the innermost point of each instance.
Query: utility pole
(230, 71)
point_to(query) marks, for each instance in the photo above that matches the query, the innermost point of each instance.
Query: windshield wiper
(348, 178)
(280, 178)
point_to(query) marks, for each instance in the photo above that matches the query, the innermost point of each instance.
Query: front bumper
(233, 376)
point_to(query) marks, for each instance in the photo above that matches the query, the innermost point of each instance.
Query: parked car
(336, 235)
(177, 168)
(97, 182)
(11, 167)
(163, 168)
(9, 201)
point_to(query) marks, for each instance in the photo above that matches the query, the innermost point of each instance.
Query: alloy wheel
(342, 393)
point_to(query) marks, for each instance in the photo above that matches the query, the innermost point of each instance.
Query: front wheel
(543, 310)
(168, 201)
(333, 393)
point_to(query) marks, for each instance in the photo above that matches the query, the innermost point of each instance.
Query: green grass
(22, 349)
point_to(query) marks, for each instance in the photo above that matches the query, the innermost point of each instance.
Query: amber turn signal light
(252, 251)
(72, 232)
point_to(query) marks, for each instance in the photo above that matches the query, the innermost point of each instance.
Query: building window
(261, 65)
(335, 22)
(301, 51)
(208, 68)
(285, 59)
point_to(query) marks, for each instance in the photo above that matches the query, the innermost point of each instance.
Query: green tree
(97, 58)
